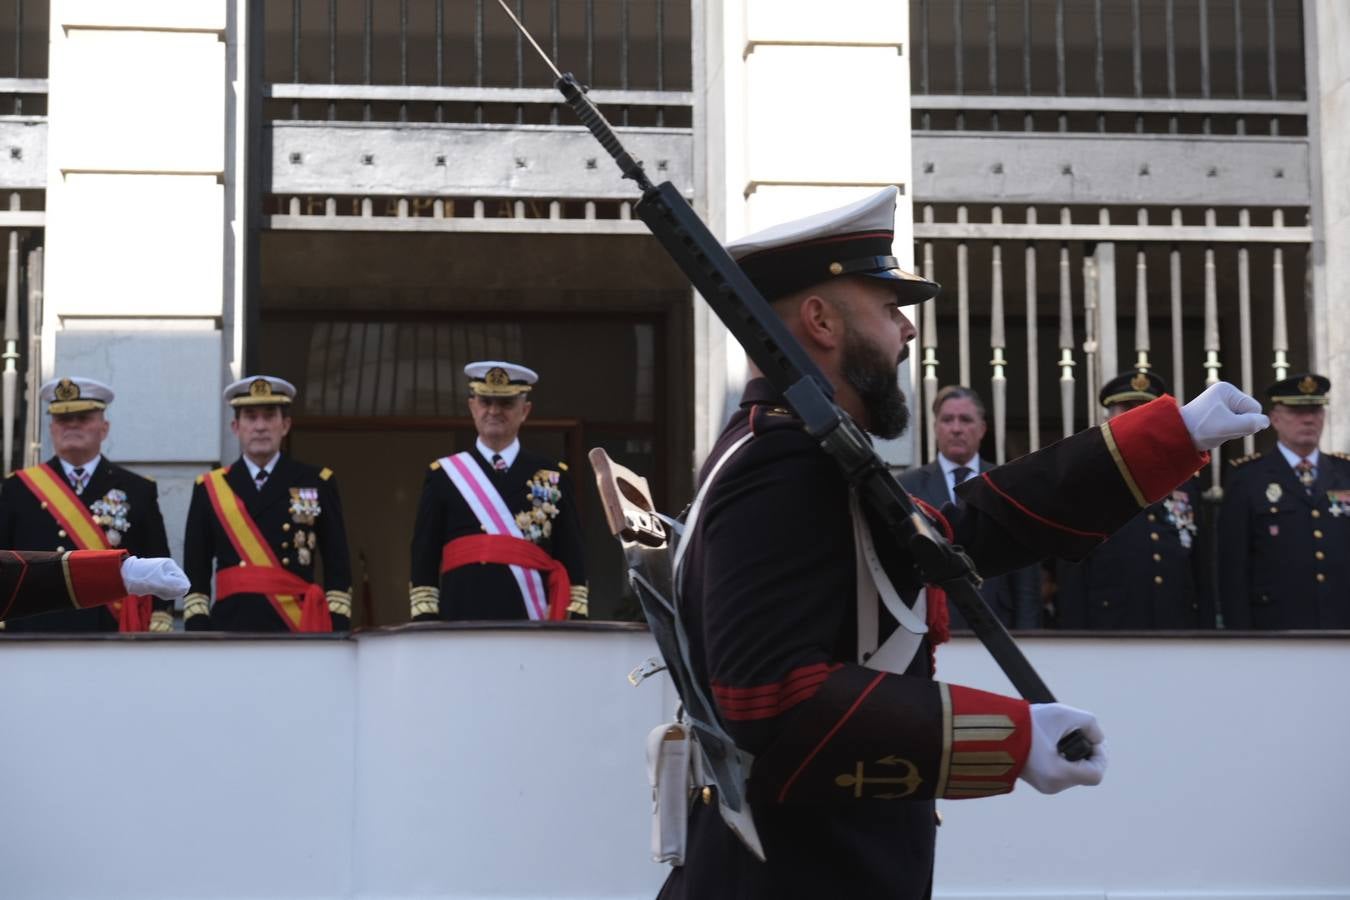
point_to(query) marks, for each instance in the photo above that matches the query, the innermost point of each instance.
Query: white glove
(1221, 413)
(158, 576)
(1046, 770)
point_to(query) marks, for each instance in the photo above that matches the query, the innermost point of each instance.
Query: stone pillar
(806, 110)
(136, 277)
(1327, 34)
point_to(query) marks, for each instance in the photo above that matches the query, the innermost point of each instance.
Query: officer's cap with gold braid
(494, 378)
(72, 395)
(852, 240)
(260, 390)
(1132, 387)
(1300, 390)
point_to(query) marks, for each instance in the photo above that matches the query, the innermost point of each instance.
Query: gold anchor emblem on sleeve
(858, 779)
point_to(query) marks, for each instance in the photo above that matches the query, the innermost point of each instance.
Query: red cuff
(988, 738)
(95, 576)
(1152, 449)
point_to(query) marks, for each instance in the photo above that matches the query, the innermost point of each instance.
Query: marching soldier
(40, 583)
(80, 500)
(259, 522)
(1150, 573)
(497, 534)
(1284, 532)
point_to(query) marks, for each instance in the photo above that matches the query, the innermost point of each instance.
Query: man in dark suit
(959, 426)
(1284, 531)
(259, 522)
(497, 534)
(1151, 573)
(79, 499)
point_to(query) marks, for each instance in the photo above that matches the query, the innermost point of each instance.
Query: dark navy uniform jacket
(848, 759)
(489, 591)
(1150, 574)
(36, 584)
(278, 515)
(1014, 596)
(25, 525)
(1284, 554)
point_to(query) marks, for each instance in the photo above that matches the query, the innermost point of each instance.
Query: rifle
(766, 340)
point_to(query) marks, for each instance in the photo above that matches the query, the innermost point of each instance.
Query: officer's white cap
(495, 378)
(260, 390)
(852, 240)
(72, 395)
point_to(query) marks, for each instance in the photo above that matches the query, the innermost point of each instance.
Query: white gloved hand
(1221, 413)
(158, 576)
(1045, 769)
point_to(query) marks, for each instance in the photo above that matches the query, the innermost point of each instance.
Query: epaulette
(201, 479)
(325, 474)
(1345, 456)
(765, 418)
(436, 464)
(562, 466)
(1243, 460)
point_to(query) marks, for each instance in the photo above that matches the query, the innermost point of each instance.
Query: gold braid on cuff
(581, 600)
(196, 605)
(340, 603)
(161, 621)
(425, 600)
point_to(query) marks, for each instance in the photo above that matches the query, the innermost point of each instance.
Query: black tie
(959, 474)
(261, 478)
(498, 463)
(77, 479)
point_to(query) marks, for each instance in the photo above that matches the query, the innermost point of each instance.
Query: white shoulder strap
(898, 651)
(697, 506)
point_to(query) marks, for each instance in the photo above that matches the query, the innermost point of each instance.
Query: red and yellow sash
(510, 551)
(50, 487)
(301, 605)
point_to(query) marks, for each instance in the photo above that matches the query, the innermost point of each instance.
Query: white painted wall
(508, 764)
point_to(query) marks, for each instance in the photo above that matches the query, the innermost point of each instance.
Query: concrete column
(137, 226)
(1327, 34)
(805, 111)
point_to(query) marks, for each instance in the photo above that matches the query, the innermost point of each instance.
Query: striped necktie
(78, 479)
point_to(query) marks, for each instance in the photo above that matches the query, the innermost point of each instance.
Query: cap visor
(910, 288)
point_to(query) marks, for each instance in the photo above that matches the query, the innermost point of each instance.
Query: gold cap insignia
(67, 390)
(836, 268)
(497, 377)
(1308, 385)
(260, 387)
(1140, 382)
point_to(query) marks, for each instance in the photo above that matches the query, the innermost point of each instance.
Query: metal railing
(1172, 66)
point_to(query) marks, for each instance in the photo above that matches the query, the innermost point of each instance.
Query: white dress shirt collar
(88, 467)
(1293, 458)
(948, 467)
(254, 468)
(508, 454)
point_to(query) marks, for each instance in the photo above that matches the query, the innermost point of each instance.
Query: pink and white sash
(492, 513)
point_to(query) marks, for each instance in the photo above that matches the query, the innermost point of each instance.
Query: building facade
(362, 196)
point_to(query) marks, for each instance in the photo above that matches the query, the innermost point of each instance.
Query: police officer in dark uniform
(261, 524)
(829, 687)
(1284, 532)
(1149, 573)
(497, 534)
(79, 499)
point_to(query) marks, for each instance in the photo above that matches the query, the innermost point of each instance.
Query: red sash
(49, 486)
(300, 604)
(509, 551)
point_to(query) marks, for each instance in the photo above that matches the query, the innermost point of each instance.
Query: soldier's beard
(876, 381)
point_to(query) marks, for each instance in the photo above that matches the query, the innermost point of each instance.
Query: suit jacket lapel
(275, 488)
(1287, 478)
(99, 483)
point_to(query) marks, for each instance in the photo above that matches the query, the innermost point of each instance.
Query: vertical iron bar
(1141, 338)
(18, 58)
(1178, 360)
(1104, 263)
(1237, 46)
(1212, 334)
(1204, 59)
(930, 360)
(478, 54)
(1280, 331)
(992, 16)
(1270, 50)
(403, 55)
(926, 120)
(1028, 120)
(958, 56)
(998, 344)
(590, 41)
(520, 59)
(963, 301)
(1060, 79)
(1033, 345)
(369, 53)
(660, 58)
(1245, 318)
(623, 52)
(440, 55)
(332, 55)
(11, 357)
(1099, 50)
(1066, 363)
(1170, 16)
(1137, 59)
(295, 54)
(553, 30)
(1091, 345)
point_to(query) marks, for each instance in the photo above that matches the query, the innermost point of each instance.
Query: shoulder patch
(765, 418)
(325, 474)
(435, 464)
(1243, 460)
(201, 479)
